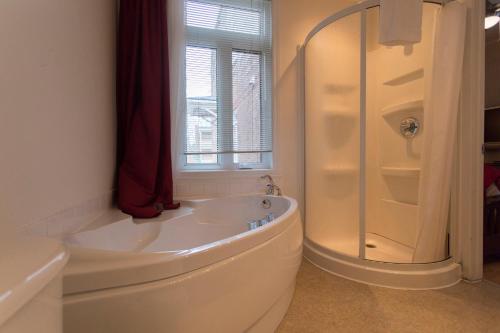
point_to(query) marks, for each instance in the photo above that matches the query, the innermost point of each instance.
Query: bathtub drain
(266, 203)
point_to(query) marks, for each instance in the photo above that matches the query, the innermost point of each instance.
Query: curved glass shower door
(364, 126)
(332, 90)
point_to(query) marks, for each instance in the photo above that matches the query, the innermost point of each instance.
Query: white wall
(292, 21)
(57, 126)
(57, 122)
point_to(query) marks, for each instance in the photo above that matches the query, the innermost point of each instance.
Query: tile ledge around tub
(70, 219)
(214, 174)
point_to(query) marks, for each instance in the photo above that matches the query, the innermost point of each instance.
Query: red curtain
(144, 163)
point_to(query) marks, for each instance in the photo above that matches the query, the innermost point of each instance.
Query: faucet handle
(270, 217)
(253, 224)
(269, 189)
(278, 191)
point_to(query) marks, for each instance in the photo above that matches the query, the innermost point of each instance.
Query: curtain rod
(367, 4)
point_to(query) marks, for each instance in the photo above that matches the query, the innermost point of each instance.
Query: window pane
(202, 159)
(201, 72)
(220, 17)
(247, 111)
(248, 158)
(202, 115)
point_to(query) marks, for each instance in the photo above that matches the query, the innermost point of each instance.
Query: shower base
(378, 248)
(403, 275)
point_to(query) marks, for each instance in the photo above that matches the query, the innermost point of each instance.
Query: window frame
(225, 43)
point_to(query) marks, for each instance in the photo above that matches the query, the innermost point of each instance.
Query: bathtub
(196, 269)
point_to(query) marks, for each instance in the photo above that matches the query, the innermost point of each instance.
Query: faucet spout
(268, 178)
(271, 187)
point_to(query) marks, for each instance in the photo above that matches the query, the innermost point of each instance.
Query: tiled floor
(326, 303)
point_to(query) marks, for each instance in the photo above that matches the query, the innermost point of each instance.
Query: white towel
(400, 22)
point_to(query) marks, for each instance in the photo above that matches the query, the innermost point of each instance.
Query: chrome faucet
(271, 187)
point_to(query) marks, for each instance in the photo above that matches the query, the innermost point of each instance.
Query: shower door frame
(465, 234)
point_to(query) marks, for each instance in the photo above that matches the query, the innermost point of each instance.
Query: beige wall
(57, 127)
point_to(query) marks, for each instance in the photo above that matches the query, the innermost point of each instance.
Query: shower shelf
(340, 170)
(340, 112)
(338, 109)
(404, 109)
(400, 172)
(397, 203)
(406, 78)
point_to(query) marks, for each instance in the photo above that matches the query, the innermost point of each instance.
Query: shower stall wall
(364, 129)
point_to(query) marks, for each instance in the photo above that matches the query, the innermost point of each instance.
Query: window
(228, 118)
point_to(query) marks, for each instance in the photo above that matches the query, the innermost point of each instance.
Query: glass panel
(247, 110)
(396, 81)
(332, 136)
(220, 17)
(248, 158)
(202, 110)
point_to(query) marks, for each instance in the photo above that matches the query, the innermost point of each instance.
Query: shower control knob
(409, 127)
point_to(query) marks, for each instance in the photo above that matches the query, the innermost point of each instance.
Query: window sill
(244, 173)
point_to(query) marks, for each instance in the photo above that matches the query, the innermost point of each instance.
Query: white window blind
(228, 81)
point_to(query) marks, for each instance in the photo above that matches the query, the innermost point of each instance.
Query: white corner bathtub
(197, 269)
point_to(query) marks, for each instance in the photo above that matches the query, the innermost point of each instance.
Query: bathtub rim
(274, 262)
(103, 269)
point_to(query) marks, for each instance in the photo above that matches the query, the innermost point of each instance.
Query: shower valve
(409, 127)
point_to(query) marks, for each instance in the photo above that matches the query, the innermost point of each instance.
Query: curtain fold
(177, 56)
(145, 185)
(440, 127)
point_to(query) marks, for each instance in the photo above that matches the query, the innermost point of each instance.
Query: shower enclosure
(364, 128)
